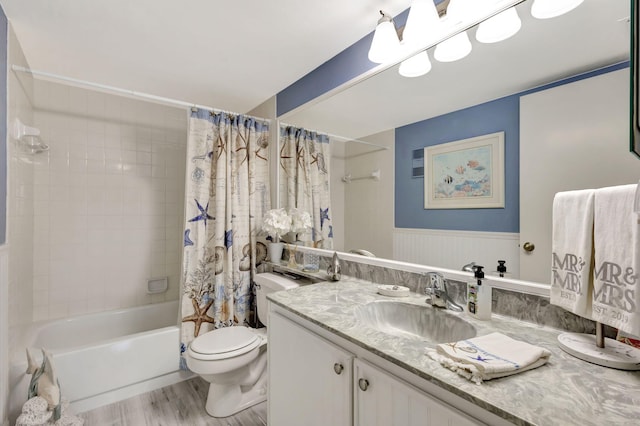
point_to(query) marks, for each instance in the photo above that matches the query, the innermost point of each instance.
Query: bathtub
(104, 357)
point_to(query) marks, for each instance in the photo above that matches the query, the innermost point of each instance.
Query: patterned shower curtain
(227, 194)
(304, 166)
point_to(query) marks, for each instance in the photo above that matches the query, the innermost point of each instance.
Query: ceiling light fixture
(416, 65)
(424, 27)
(545, 9)
(385, 44)
(499, 27)
(453, 48)
(458, 46)
(423, 24)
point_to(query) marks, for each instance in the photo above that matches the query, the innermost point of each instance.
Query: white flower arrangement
(276, 223)
(300, 221)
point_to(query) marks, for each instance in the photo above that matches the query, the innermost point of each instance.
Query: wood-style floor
(181, 404)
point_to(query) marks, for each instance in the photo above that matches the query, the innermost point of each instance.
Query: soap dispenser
(502, 268)
(478, 295)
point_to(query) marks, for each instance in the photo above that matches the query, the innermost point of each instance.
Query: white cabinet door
(384, 400)
(309, 378)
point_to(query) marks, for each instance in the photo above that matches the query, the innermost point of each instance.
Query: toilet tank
(269, 282)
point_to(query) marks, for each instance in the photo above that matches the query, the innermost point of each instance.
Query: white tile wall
(20, 198)
(108, 199)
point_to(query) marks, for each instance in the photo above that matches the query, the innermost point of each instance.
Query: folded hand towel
(616, 297)
(489, 357)
(572, 247)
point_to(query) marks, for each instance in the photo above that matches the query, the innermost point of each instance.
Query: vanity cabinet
(313, 381)
(382, 399)
(310, 379)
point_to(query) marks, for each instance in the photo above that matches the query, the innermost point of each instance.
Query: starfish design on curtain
(300, 157)
(324, 215)
(243, 146)
(283, 156)
(263, 143)
(199, 315)
(203, 216)
(318, 159)
(221, 148)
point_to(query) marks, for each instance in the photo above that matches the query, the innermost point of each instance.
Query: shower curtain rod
(343, 138)
(123, 92)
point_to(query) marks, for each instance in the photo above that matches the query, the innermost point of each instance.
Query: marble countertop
(565, 391)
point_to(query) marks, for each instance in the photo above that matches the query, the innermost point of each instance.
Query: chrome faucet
(436, 291)
(469, 267)
(362, 252)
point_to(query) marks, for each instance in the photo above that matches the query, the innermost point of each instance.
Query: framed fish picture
(465, 174)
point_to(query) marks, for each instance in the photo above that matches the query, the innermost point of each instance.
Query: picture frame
(465, 174)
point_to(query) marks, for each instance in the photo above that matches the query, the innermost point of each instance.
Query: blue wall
(4, 43)
(491, 117)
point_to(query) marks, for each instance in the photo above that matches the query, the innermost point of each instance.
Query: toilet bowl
(234, 359)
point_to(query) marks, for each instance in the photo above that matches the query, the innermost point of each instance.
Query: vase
(311, 262)
(275, 252)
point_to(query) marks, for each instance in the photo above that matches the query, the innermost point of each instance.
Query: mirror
(635, 82)
(387, 217)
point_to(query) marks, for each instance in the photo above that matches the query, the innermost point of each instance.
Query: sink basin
(416, 321)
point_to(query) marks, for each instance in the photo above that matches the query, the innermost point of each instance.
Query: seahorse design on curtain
(227, 194)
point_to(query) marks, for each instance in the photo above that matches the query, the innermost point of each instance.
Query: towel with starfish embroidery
(489, 357)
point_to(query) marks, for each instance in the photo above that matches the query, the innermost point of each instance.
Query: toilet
(234, 359)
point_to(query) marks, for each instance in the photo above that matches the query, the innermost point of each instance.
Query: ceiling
(237, 54)
(231, 55)
(593, 35)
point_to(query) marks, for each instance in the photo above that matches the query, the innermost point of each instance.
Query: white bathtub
(105, 357)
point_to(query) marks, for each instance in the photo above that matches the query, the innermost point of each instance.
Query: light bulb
(423, 24)
(499, 27)
(545, 9)
(416, 65)
(385, 45)
(453, 49)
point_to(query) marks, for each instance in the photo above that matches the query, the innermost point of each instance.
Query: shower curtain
(304, 167)
(227, 194)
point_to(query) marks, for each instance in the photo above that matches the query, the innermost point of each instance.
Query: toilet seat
(224, 343)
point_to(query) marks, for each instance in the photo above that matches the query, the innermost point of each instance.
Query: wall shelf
(283, 266)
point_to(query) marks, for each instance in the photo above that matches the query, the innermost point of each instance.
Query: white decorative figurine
(44, 382)
(44, 406)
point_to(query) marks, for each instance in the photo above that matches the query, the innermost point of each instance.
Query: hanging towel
(572, 247)
(616, 297)
(489, 357)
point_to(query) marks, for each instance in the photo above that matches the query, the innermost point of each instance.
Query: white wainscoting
(453, 249)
